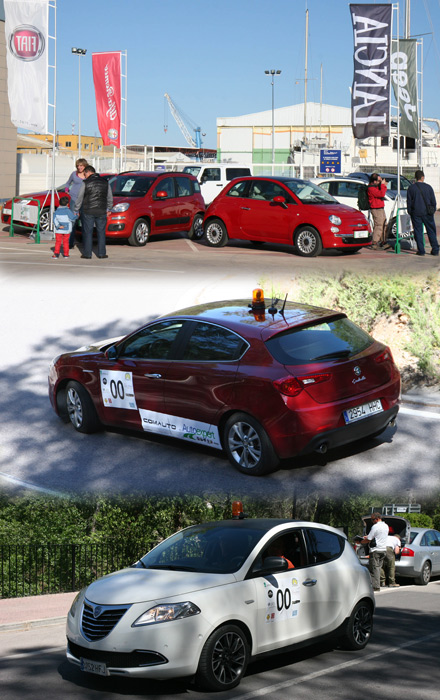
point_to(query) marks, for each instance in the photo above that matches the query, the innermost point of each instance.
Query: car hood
(142, 585)
(342, 210)
(99, 346)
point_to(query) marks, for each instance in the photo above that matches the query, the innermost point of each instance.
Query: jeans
(388, 570)
(72, 234)
(88, 222)
(428, 220)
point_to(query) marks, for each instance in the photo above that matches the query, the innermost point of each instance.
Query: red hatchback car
(263, 384)
(285, 210)
(149, 203)
(25, 208)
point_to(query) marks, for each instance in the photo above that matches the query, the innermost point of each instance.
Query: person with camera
(376, 190)
(421, 207)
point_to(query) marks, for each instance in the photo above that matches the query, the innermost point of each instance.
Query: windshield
(192, 169)
(208, 548)
(131, 185)
(309, 193)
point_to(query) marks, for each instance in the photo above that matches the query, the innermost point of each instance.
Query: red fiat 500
(261, 383)
(285, 210)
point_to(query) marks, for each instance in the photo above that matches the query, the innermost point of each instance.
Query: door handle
(246, 208)
(153, 376)
(310, 582)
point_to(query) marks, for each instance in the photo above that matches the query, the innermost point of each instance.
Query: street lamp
(273, 73)
(79, 52)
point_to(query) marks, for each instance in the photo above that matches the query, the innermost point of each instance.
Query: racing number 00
(284, 599)
(117, 389)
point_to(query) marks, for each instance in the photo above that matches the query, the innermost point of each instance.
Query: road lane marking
(195, 248)
(333, 669)
(32, 487)
(419, 413)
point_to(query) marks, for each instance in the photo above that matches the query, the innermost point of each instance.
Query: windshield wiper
(329, 355)
(170, 567)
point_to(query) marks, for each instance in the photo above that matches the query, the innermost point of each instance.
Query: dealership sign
(26, 43)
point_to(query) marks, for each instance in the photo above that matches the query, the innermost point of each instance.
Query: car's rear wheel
(308, 242)
(223, 660)
(248, 446)
(196, 231)
(216, 233)
(140, 233)
(359, 627)
(45, 220)
(425, 575)
(80, 409)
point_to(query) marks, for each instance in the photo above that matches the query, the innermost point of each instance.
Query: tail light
(292, 386)
(407, 552)
(384, 356)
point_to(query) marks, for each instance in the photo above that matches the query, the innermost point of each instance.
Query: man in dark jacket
(420, 202)
(94, 199)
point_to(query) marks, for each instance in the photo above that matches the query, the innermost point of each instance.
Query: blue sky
(211, 57)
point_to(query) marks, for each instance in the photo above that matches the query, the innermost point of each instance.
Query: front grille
(99, 620)
(352, 239)
(115, 659)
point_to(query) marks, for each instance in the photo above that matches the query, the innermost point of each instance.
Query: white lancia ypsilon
(206, 600)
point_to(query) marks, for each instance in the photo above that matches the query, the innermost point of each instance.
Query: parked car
(263, 384)
(149, 203)
(284, 210)
(391, 180)
(26, 208)
(209, 598)
(346, 191)
(420, 557)
(212, 177)
(397, 526)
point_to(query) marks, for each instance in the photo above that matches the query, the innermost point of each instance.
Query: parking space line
(419, 413)
(317, 674)
(194, 248)
(28, 485)
(92, 266)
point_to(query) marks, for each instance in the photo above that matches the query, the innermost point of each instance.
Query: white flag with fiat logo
(26, 27)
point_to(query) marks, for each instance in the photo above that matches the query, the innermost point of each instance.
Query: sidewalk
(34, 611)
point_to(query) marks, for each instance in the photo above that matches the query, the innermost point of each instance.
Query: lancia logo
(26, 43)
(357, 370)
(97, 610)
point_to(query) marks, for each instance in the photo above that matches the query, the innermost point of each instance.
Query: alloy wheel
(245, 445)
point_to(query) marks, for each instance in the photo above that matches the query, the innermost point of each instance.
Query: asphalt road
(400, 661)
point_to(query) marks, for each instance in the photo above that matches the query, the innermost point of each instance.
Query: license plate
(96, 667)
(361, 234)
(7, 211)
(358, 412)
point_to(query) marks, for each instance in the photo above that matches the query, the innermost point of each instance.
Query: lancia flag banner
(404, 79)
(26, 29)
(107, 80)
(370, 96)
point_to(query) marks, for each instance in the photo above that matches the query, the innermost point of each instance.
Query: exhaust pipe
(322, 448)
(392, 423)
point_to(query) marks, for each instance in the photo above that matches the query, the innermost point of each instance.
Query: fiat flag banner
(107, 80)
(26, 28)
(404, 79)
(370, 95)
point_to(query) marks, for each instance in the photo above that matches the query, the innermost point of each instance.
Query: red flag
(107, 80)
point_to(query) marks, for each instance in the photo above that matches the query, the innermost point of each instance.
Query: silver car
(420, 557)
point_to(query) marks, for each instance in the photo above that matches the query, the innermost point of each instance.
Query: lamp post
(273, 73)
(79, 52)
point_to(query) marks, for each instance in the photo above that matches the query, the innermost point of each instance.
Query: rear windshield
(236, 172)
(331, 340)
(131, 185)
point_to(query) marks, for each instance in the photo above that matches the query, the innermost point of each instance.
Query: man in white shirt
(378, 548)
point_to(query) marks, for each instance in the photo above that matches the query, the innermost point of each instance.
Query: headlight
(74, 606)
(165, 613)
(122, 206)
(334, 219)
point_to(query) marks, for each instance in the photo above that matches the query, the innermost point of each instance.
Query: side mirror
(280, 200)
(161, 194)
(271, 565)
(111, 353)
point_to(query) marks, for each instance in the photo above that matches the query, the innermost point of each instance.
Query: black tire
(359, 627)
(425, 575)
(248, 446)
(223, 660)
(215, 233)
(45, 220)
(196, 231)
(308, 242)
(80, 409)
(140, 233)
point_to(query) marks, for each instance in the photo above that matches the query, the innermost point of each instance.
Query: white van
(214, 176)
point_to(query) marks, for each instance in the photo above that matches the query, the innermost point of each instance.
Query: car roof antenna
(284, 306)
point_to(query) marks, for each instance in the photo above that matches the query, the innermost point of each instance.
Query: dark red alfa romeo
(263, 382)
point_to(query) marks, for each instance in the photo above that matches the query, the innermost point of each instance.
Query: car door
(166, 217)
(211, 183)
(430, 545)
(262, 219)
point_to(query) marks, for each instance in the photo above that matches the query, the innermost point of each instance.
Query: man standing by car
(378, 548)
(376, 190)
(421, 206)
(94, 199)
(388, 570)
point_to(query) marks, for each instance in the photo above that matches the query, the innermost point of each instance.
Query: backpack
(363, 202)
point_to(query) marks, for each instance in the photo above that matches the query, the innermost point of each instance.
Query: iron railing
(57, 568)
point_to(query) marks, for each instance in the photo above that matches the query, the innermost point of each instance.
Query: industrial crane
(182, 120)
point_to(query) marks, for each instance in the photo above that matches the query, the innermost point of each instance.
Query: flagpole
(52, 189)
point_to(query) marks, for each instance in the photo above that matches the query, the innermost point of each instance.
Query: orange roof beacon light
(258, 299)
(237, 510)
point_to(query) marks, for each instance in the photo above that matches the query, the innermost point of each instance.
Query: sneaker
(432, 252)
(376, 590)
(418, 253)
(386, 246)
(375, 246)
(56, 256)
(394, 585)
(66, 256)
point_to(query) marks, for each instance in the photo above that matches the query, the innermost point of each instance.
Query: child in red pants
(62, 222)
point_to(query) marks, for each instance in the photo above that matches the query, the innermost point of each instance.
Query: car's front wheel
(308, 242)
(140, 233)
(196, 231)
(248, 446)
(216, 233)
(223, 660)
(45, 220)
(359, 627)
(80, 409)
(425, 575)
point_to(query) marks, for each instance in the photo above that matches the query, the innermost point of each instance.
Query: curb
(31, 624)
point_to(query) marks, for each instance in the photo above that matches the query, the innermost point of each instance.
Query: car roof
(156, 173)
(263, 524)
(237, 316)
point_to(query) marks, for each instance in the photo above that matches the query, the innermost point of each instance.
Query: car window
(320, 341)
(266, 190)
(192, 169)
(412, 536)
(308, 193)
(131, 185)
(236, 172)
(151, 343)
(239, 189)
(211, 343)
(323, 545)
(184, 186)
(347, 189)
(429, 539)
(290, 545)
(325, 186)
(211, 175)
(165, 185)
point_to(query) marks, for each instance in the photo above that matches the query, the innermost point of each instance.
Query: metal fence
(57, 568)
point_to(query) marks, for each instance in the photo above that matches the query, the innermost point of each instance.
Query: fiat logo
(26, 43)
(357, 370)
